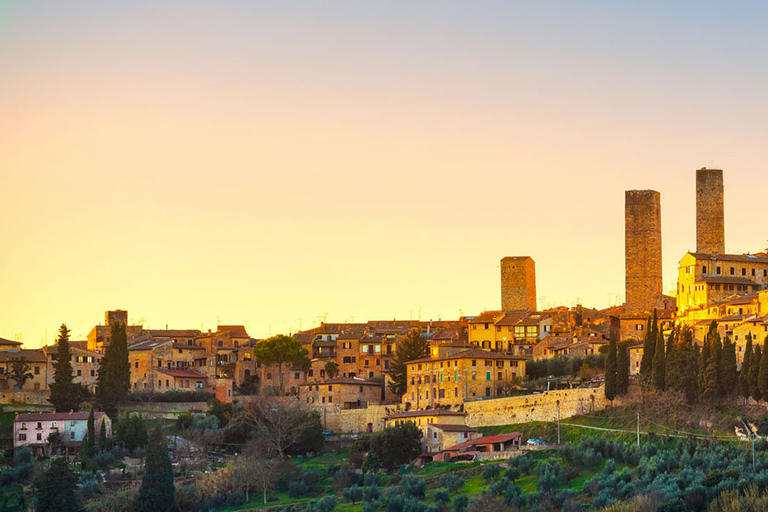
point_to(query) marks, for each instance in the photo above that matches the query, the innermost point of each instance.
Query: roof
(451, 334)
(236, 331)
(472, 353)
(727, 280)
(32, 356)
(428, 412)
(343, 380)
(486, 317)
(147, 342)
(522, 318)
(453, 428)
(502, 438)
(173, 333)
(744, 258)
(188, 347)
(183, 373)
(57, 416)
(4, 341)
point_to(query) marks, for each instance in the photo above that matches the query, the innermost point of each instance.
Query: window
(37, 370)
(330, 399)
(55, 425)
(638, 327)
(93, 373)
(22, 437)
(79, 373)
(72, 435)
(39, 425)
(733, 271)
(330, 388)
(487, 376)
(23, 426)
(39, 436)
(703, 269)
(136, 365)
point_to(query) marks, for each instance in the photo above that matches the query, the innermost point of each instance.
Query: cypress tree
(682, 368)
(649, 347)
(729, 378)
(659, 372)
(703, 362)
(65, 395)
(762, 374)
(746, 392)
(91, 435)
(622, 368)
(157, 491)
(610, 371)
(114, 378)
(103, 435)
(754, 370)
(56, 492)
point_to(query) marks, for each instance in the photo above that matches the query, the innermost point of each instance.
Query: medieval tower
(642, 243)
(710, 222)
(518, 283)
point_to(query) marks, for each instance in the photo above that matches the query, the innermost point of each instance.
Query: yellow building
(457, 375)
(346, 393)
(147, 355)
(513, 332)
(37, 366)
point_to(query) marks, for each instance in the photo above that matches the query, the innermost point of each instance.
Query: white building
(32, 430)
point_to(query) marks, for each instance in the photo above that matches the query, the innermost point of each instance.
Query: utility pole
(638, 429)
(558, 422)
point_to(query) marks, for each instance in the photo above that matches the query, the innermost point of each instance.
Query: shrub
(22, 456)
(170, 396)
(326, 504)
(205, 422)
(413, 486)
(452, 482)
(442, 497)
(460, 503)
(371, 493)
(491, 471)
(415, 505)
(184, 421)
(353, 494)
(297, 489)
(373, 506)
(104, 459)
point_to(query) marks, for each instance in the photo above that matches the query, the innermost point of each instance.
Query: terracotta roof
(58, 416)
(188, 347)
(454, 428)
(744, 258)
(173, 333)
(236, 331)
(502, 438)
(4, 341)
(486, 317)
(343, 380)
(727, 280)
(183, 373)
(473, 353)
(429, 412)
(32, 356)
(455, 334)
(147, 342)
(350, 336)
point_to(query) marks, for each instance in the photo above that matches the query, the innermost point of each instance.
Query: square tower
(518, 283)
(710, 221)
(117, 316)
(642, 249)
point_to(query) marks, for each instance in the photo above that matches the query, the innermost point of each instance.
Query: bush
(297, 489)
(205, 422)
(373, 506)
(326, 504)
(491, 471)
(413, 486)
(442, 498)
(22, 456)
(460, 503)
(371, 493)
(104, 459)
(353, 494)
(452, 482)
(170, 396)
(184, 421)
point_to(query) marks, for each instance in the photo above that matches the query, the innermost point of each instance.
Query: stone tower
(116, 316)
(642, 244)
(518, 283)
(710, 222)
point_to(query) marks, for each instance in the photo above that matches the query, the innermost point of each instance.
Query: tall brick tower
(710, 222)
(518, 283)
(642, 244)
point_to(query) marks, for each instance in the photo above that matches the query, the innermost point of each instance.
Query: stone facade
(643, 274)
(710, 218)
(518, 283)
(348, 393)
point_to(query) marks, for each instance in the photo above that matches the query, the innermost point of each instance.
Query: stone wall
(25, 397)
(538, 407)
(642, 243)
(710, 219)
(333, 417)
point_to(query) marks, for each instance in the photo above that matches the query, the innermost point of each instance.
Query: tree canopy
(157, 490)
(65, 395)
(281, 350)
(393, 447)
(56, 491)
(413, 346)
(114, 378)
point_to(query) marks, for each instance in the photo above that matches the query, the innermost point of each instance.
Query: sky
(274, 164)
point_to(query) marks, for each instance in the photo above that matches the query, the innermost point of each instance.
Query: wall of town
(539, 407)
(25, 397)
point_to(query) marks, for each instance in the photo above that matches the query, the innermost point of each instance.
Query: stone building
(518, 283)
(642, 244)
(348, 393)
(38, 367)
(459, 375)
(710, 216)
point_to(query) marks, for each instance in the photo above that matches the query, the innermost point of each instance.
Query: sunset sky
(274, 163)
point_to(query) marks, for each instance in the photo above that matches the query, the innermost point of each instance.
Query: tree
(65, 394)
(331, 369)
(744, 388)
(703, 361)
(649, 346)
(20, 371)
(55, 440)
(622, 368)
(279, 425)
(89, 443)
(132, 432)
(249, 385)
(762, 374)
(157, 490)
(729, 378)
(682, 368)
(279, 350)
(610, 371)
(114, 377)
(411, 347)
(103, 435)
(56, 492)
(754, 371)
(394, 446)
(659, 371)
